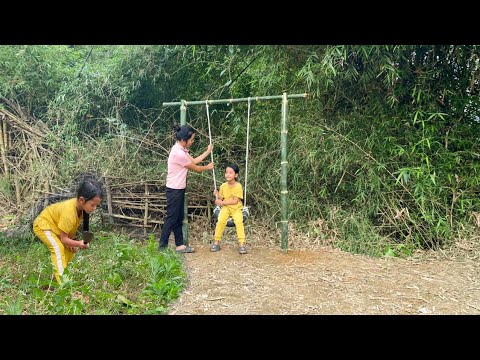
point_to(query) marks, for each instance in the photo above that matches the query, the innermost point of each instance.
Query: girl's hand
(73, 249)
(215, 192)
(83, 245)
(210, 148)
(218, 202)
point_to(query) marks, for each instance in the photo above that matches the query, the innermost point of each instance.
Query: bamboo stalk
(4, 125)
(151, 207)
(20, 124)
(2, 148)
(139, 197)
(145, 215)
(133, 218)
(109, 197)
(46, 191)
(183, 121)
(17, 190)
(231, 101)
(283, 179)
(138, 225)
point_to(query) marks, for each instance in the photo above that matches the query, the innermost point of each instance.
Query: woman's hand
(73, 249)
(209, 148)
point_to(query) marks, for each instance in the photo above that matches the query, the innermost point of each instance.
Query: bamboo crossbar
(153, 207)
(231, 101)
(133, 218)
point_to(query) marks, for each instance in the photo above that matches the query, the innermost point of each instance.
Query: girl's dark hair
(88, 189)
(184, 132)
(234, 167)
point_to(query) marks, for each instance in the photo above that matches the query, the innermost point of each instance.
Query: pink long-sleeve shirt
(177, 172)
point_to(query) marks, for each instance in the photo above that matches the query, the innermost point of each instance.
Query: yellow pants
(61, 255)
(237, 218)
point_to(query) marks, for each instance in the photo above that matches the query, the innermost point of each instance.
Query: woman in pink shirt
(179, 162)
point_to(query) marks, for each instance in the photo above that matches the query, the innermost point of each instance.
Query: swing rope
(210, 139)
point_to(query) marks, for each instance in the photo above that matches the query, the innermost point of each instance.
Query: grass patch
(114, 276)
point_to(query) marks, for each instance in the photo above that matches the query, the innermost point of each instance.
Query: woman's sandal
(187, 249)
(215, 248)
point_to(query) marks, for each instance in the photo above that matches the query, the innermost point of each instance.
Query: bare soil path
(326, 281)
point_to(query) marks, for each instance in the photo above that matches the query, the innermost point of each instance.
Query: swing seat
(230, 222)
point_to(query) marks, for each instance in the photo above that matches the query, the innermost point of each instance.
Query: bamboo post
(183, 121)
(209, 212)
(283, 180)
(109, 198)
(145, 218)
(3, 146)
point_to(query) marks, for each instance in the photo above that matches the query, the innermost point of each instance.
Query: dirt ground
(312, 278)
(328, 281)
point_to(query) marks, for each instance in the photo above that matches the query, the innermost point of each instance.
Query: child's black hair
(234, 167)
(88, 189)
(184, 132)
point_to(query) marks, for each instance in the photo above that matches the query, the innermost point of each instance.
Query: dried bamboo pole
(109, 197)
(133, 218)
(138, 197)
(46, 191)
(3, 147)
(4, 125)
(17, 190)
(145, 218)
(151, 207)
(138, 225)
(15, 121)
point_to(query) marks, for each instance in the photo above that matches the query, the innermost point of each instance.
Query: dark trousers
(174, 219)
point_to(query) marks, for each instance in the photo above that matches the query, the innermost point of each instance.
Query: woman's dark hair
(234, 167)
(184, 132)
(89, 189)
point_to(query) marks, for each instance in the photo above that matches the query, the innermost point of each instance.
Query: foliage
(114, 276)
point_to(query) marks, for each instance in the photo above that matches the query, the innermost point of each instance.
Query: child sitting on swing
(230, 199)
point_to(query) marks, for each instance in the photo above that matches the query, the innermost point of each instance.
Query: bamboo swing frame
(284, 162)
